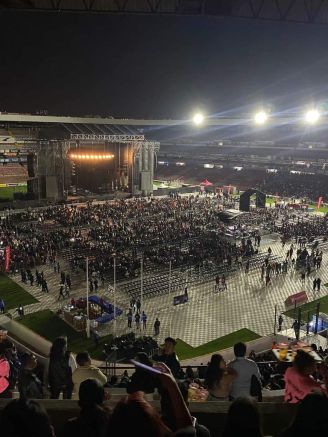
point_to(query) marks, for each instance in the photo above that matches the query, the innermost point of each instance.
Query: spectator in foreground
(218, 379)
(24, 417)
(243, 419)
(245, 369)
(93, 418)
(60, 372)
(142, 380)
(298, 379)
(14, 363)
(4, 373)
(134, 413)
(85, 371)
(29, 385)
(311, 417)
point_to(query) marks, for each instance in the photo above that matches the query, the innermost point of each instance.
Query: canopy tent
(206, 183)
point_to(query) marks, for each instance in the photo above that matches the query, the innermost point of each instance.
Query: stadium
(171, 270)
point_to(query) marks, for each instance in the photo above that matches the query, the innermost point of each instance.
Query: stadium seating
(275, 416)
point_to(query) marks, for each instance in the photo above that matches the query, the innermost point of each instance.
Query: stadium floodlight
(312, 116)
(198, 119)
(260, 117)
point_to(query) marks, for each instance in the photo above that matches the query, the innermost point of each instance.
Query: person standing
(247, 267)
(2, 306)
(137, 320)
(68, 281)
(5, 391)
(138, 305)
(223, 282)
(318, 284)
(20, 311)
(169, 357)
(61, 292)
(130, 318)
(60, 371)
(29, 385)
(144, 320)
(84, 371)
(280, 322)
(262, 271)
(157, 325)
(314, 286)
(296, 326)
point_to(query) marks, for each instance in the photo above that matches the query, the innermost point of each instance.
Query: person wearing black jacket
(60, 372)
(142, 380)
(29, 385)
(169, 357)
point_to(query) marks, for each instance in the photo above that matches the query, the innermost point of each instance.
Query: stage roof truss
(105, 137)
(297, 11)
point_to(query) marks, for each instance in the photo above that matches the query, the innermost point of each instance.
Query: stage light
(90, 156)
(312, 116)
(198, 119)
(260, 117)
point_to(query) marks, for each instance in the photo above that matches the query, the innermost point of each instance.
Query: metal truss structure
(104, 137)
(146, 145)
(299, 11)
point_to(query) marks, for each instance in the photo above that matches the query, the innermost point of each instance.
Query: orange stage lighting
(89, 156)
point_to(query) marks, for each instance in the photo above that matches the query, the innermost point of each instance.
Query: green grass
(185, 351)
(8, 192)
(13, 294)
(49, 325)
(310, 307)
(321, 209)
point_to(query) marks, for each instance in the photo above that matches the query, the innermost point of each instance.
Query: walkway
(247, 303)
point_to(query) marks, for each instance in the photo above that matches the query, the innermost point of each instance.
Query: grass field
(310, 307)
(50, 326)
(270, 200)
(8, 192)
(185, 351)
(13, 294)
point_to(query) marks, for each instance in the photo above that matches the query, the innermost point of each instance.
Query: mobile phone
(145, 367)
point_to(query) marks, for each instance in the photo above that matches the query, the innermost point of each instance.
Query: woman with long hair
(60, 371)
(299, 380)
(218, 379)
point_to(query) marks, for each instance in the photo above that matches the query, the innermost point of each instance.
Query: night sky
(152, 66)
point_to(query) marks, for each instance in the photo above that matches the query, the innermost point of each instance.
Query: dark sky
(152, 66)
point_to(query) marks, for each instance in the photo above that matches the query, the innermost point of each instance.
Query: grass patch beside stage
(185, 351)
(49, 325)
(8, 192)
(13, 294)
(310, 307)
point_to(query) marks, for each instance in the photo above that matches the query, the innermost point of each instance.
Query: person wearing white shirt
(245, 368)
(85, 370)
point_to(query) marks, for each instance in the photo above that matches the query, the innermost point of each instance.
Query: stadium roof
(287, 129)
(299, 11)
